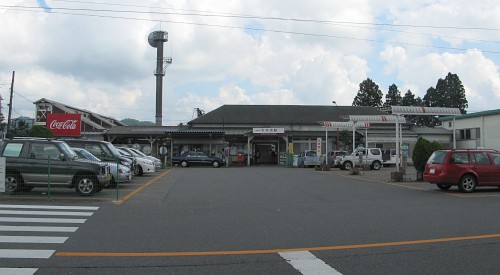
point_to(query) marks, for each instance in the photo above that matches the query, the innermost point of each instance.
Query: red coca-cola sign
(64, 124)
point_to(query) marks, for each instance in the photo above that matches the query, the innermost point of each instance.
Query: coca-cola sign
(64, 124)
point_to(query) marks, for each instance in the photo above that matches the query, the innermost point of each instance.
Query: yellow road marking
(269, 251)
(131, 194)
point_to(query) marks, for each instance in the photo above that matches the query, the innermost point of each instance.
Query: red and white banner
(64, 124)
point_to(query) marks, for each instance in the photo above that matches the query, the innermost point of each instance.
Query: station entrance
(271, 150)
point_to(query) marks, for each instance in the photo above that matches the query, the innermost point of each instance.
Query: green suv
(32, 162)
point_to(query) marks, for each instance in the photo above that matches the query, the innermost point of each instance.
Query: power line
(258, 29)
(232, 15)
(29, 100)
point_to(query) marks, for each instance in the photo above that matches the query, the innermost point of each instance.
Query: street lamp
(337, 119)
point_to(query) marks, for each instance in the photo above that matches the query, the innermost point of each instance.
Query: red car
(465, 168)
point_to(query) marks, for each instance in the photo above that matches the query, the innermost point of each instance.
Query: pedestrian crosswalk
(30, 225)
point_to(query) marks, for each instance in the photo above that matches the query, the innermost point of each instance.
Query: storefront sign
(64, 124)
(268, 131)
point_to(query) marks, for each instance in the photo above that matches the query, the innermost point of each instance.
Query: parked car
(359, 157)
(123, 171)
(308, 158)
(334, 156)
(138, 153)
(196, 158)
(467, 169)
(142, 165)
(104, 150)
(32, 162)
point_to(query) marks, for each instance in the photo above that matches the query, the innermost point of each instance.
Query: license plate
(432, 171)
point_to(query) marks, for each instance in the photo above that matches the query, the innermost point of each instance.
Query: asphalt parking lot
(247, 220)
(114, 194)
(125, 191)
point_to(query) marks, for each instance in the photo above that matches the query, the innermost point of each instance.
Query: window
(496, 158)
(375, 152)
(459, 158)
(94, 149)
(13, 149)
(468, 134)
(437, 157)
(481, 158)
(44, 151)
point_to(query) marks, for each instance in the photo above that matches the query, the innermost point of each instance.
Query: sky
(94, 54)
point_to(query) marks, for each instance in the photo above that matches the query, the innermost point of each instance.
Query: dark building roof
(142, 130)
(282, 114)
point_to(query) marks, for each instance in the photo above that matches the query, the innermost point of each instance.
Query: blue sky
(94, 54)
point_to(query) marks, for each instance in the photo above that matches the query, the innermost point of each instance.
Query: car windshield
(123, 152)
(86, 154)
(113, 150)
(138, 152)
(437, 157)
(67, 150)
(311, 153)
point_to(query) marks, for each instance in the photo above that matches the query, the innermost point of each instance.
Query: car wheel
(140, 172)
(347, 165)
(137, 170)
(184, 163)
(112, 182)
(467, 183)
(215, 164)
(376, 165)
(443, 186)
(86, 185)
(13, 183)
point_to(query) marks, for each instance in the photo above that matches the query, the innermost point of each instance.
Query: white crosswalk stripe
(306, 263)
(11, 218)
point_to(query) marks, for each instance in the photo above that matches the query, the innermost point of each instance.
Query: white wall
(490, 131)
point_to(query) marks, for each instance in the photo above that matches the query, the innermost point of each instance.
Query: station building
(272, 130)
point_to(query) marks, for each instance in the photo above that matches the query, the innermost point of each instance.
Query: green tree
(369, 94)
(449, 92)
(39, 131)
(409, 99)
(452, 92)
(393, 97)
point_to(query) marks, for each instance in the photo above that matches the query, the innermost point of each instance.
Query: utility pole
(10, 102)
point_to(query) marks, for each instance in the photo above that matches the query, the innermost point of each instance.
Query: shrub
(422, 151)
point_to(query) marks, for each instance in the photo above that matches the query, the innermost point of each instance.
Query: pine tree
(393, 97)
(452, 92)
(410, 100)
(369, 94)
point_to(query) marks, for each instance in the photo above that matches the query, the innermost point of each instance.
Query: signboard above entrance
(268, 131)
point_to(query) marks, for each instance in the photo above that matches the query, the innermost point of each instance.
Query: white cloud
(479, 74)
(106, 64)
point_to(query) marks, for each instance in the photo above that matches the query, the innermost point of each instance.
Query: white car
(138, 153)
(142, 165)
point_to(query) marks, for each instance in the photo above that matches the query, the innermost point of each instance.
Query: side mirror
(62, 157)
